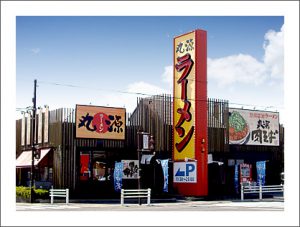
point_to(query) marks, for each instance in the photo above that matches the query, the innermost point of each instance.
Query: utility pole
(32, 142)
(139, 158)
(145, 143)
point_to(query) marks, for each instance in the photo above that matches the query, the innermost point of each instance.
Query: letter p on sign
(189, 168)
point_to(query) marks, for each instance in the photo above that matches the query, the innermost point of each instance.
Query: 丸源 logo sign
(100, 122)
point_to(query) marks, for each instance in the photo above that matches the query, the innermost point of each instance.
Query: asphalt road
(250, 205)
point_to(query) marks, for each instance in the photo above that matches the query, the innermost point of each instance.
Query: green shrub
(24, 192)
(41, 193)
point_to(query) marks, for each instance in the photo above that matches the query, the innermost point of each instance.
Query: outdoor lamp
(37, 152)
(151, 143)
(186, 159)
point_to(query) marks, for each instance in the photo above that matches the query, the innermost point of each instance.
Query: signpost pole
(32, 143)
(138, 154)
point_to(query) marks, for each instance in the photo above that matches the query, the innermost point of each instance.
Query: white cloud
(246, 69)
(273, 58)
(167, 76)
(236, 68)
(35, 50)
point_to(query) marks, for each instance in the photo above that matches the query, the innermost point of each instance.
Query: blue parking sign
(185, 172)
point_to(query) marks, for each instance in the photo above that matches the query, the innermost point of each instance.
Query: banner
(23, 130)
(28, 131)
(118, 174)
(253, 127)
(165, 167)
(245, 173)
(40, 126)
(236, 178)
(261, 172)
(85, 172)
(100, 122)
(130, 169)
(46, 125)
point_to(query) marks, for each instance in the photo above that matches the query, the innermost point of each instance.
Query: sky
(106, 60)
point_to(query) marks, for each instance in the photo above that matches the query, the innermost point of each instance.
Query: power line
(145, 94)
(119, 91)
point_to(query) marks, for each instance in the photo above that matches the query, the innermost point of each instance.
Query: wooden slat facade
(218, 125)
(152, 114)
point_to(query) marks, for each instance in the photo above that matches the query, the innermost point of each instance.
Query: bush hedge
(24, 192)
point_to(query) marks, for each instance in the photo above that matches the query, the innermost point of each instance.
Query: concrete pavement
(276, 204)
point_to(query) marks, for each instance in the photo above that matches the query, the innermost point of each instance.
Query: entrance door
(96, 174)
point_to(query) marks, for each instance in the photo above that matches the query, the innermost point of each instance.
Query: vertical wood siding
(152, 114)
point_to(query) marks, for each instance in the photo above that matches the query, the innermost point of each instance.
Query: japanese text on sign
(100, 122)
(184, 63)
(253, 127)
(185, 172)
(184, 96)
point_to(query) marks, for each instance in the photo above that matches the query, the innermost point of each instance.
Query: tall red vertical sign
(190, 114)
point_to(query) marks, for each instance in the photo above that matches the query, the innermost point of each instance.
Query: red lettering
(185, 116)
(180, 146)
(185, 63)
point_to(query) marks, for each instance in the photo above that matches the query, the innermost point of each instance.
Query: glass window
(99, 166)
(99, 171)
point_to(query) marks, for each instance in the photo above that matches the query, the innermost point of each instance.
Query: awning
(24, 160)
(146, 158)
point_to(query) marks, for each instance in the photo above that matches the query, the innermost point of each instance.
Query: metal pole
(122, 197)
(51, 194)
(154, 182)
(260, 192)
(242, 192)
(138, 153)
(148, 196)
(67, 196)
(32, 142)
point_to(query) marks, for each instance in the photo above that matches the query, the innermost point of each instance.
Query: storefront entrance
(95, 174)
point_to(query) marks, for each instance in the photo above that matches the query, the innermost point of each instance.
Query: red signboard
(84, 166)
(190, 109)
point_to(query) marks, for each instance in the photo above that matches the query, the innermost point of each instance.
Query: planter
(22, 200)
(23, 195)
